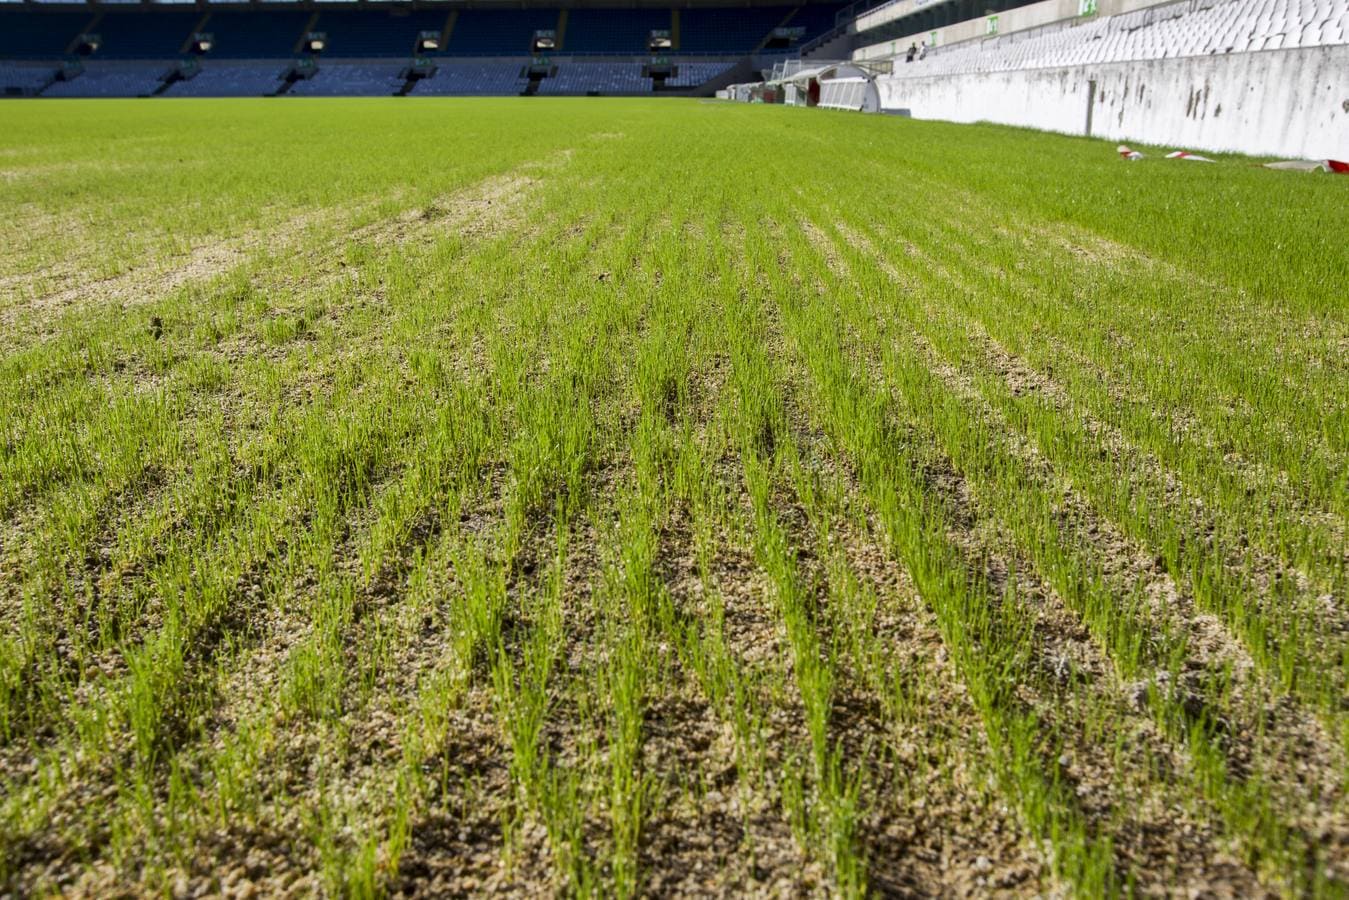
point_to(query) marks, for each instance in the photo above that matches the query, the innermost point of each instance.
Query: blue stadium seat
(580, 78)
(690, 75)
(112, 80)
(351, 80)
(462, 78)
(24, 80)
(231, 79)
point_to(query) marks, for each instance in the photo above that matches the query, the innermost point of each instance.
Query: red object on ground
(1338, 166)
(1185, 154)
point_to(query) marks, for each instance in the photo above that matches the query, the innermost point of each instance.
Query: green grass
(631, 497)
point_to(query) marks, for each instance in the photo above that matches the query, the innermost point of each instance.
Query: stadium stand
(231, 79)
(24, 81)
(497, 32)
(473, 79)
(1263, 77)
(350, 80)
(374, 32)
(624, 31)
(739, 30)
(693, 74)
(598, 78)
(250, 34)
(144, 33)
(39, 34)
(817, 20)
(484, 52)
(112, 80)
(1188, 28)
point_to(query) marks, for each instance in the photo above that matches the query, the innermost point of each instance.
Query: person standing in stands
(922, 51)
(913, 51)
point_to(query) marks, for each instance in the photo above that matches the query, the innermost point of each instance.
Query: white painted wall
(1292, 103)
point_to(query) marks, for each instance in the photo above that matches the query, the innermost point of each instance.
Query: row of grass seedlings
(316, 680)
(199, 595)
(730, 688)
(1134, 641)
(632, 592)
(442, 461)
(815, 794)
(820, 801)
(558, 392)
(691, 411)
(310, 429)
(679, 437)
(140, 439)
(1282, 619)
(548, 462)
(1139, 500)
(1075, 204)
(93, 536)
(987, 635)
(1225, 395)
(1230, 406)
(636, 612)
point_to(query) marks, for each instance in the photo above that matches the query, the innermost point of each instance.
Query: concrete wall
(1291, 103)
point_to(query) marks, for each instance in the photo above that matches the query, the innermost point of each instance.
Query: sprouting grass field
(663, 498)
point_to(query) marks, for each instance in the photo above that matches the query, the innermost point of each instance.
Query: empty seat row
(596, 77)
(350, 80)
(231, 80)
(474, 79)
(111, 81)
(24, 80)
(1191, 28)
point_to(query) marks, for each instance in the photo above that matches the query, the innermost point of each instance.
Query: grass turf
(613, 496)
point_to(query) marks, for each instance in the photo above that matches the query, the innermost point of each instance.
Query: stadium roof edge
(408, 4)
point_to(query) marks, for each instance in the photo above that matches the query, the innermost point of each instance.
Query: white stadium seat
(1191, 28)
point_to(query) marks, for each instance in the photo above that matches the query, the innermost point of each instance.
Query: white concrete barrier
(1278, 102)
